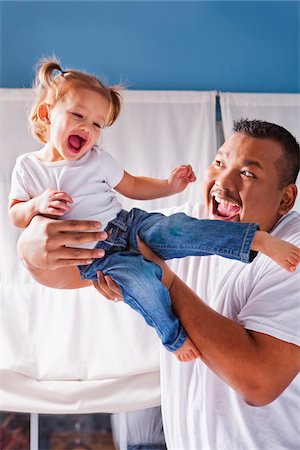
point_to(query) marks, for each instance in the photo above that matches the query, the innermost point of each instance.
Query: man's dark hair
(287, 165)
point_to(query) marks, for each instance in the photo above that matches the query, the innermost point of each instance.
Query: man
(244, 319)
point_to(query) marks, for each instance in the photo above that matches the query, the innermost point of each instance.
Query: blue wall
(241, 46)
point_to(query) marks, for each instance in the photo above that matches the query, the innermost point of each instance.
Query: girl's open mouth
(75, 143)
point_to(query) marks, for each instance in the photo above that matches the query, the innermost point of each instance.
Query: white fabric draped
(282, 109)
(158, 131)
(73, 351)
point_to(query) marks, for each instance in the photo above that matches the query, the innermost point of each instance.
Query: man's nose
(226, 180)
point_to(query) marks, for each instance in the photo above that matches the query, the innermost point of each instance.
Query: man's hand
(47, 244)
(46, 249)
(180, 178)
(106, 286)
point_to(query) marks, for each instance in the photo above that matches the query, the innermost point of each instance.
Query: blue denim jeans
(175, 236)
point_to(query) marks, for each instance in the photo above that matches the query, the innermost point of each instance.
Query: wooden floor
(96, 441)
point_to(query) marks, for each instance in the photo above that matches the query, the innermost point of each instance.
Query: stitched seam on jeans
(245, 241)
(220, 252)
(156, 326)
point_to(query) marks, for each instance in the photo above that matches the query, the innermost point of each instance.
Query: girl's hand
(180, 177)
(53, 203)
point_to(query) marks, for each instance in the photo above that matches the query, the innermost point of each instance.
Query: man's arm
(45, 248)
(258, 366)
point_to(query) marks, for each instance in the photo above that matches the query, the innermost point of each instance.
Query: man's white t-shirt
(199, 410)
(89, 181)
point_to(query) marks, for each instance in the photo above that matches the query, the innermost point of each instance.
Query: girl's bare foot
(284, 253)
(187, 352)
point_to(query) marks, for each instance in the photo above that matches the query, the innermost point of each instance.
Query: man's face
(242, 182)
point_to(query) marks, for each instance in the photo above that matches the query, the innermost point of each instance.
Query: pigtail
(46, 73)
(45, 85)
(115, 105)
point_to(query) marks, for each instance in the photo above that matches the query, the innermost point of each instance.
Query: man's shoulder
(288, 227)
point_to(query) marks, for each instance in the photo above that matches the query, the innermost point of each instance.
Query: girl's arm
(22, 212)
(144, 188)
(51, 203)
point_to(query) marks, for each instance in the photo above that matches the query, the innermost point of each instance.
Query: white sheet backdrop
(73, 351)
(159, 130)
(283, 109)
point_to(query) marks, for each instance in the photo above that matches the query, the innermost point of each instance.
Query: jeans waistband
(123, 220)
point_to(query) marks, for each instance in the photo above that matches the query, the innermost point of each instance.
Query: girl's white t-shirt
(89, 181)
(201, 412)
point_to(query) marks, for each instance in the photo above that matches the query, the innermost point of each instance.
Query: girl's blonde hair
(51, 86)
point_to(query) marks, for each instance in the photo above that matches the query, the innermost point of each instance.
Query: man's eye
(248, 174)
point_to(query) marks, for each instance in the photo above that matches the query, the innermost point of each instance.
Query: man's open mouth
(76, 142)
(227, 209)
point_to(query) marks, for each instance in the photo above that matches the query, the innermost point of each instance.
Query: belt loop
(119, 220)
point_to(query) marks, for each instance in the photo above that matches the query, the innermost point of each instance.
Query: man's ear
(288, 198)
(43, 113)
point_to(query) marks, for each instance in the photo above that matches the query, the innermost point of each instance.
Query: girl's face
(75, 123)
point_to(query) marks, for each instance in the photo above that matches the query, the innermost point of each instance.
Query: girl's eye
(218, 163)
(78, 115)
(97, 125)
